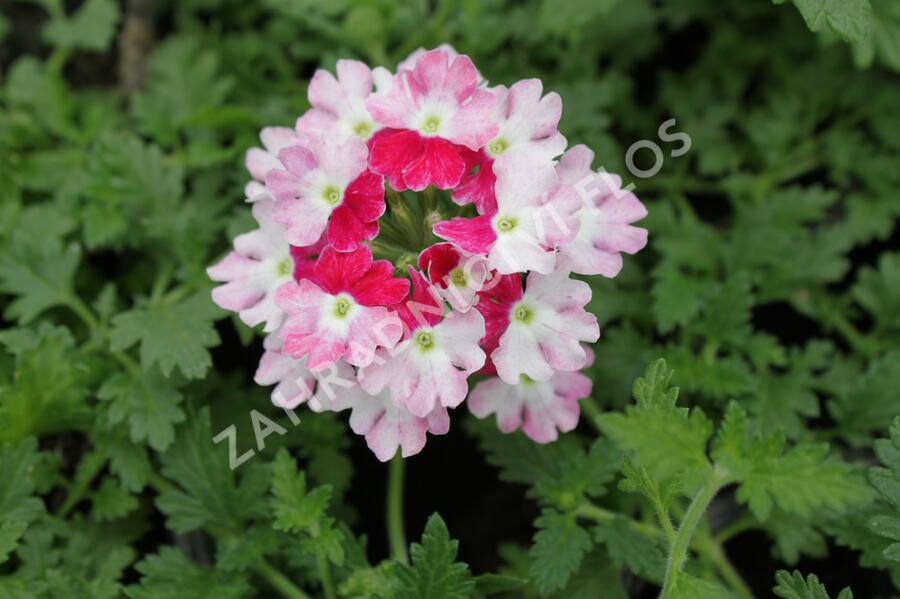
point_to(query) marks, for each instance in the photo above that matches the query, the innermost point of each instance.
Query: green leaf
(111, 501)
(147, 402)
(559, 546)
(629, 548)
(17, 505)
(184, 79)
(691, 587)
(664, 439)
(878, 291)
(866, 402)
(129, 183)
(91, 27)
(171, 575)
(677, 296)
(40, 274)
(793, 586)
(801, 480)
(208, 495)
(170, 334)
(886, 481)
(850, 19)
(296, 510)
(47, 392)
(434, 572)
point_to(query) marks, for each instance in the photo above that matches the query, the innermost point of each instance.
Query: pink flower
(342, 314)
(429, 111)
(544, 327)
(535, 213)
(259, 161)
(260, 263)
(527, 126)
(430, 367)
(293, 381)
(339, 104)
(326, 186)
(456, 275)
(385, 425)
(605, 218)
(539, 408)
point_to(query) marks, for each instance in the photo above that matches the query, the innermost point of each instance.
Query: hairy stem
(396, 535)
(679, 549)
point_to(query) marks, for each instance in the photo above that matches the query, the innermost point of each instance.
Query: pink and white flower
(430, 367)
(428, 112)
(342, 314)
(535, 213)
(339, 104)
(294, 383)
(259, 161)
(457, 275)
(327, 187)
(527, 124)
(260, 263)
(515, 314)
(542, 409)
(605, 218)
(544, 326)
(386, 426)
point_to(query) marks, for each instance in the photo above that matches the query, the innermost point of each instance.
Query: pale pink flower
(535, 213)
(545, 327)
(260, 263)
(385, 425)
(428, 112)
(540, 408)
(605, 218)
(527, 124)
(294, 383)
(259, 161)
(326, 187)
(342, 314)
(339, 104)
(430, 367)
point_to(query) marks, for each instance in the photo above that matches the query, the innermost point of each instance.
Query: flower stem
(396, 535)
(279, 581)
(679, 550)
(325, 576)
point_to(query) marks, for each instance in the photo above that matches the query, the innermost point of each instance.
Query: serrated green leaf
(559, 546)
(794, 586)
(170, 334)
(434, 571)
(149, 404)
(169, 574)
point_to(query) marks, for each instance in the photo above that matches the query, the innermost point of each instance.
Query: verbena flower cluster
(492, 295)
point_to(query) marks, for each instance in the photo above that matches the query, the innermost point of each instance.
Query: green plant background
(770, 287)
